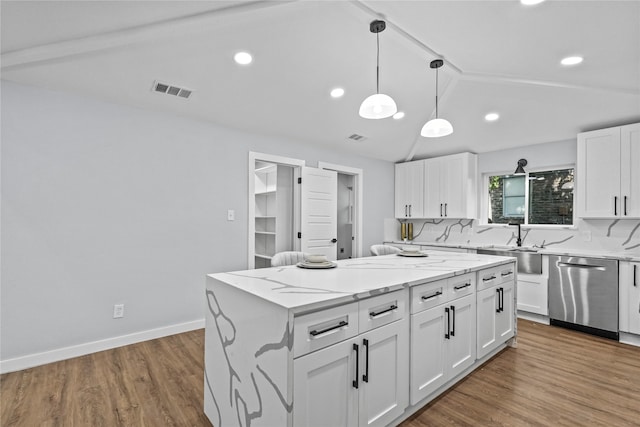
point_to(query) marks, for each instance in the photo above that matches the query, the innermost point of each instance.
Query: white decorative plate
(327, 264)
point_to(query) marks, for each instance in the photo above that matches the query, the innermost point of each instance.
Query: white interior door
(318, 209)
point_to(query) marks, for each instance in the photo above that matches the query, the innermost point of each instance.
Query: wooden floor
(555, 377)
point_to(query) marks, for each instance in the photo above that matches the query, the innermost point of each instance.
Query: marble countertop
(621, 256)
(301, 290)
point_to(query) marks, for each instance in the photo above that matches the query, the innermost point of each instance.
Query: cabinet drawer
(460, 286)
(428, 295)
(382, 310)
(495, 276)
(321, 329)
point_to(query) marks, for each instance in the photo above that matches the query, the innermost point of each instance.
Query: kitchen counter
(301, 290)
(620, 256)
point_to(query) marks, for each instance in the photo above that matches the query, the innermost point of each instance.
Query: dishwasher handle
(576, 265)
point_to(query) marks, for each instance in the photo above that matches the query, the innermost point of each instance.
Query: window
(543, 197)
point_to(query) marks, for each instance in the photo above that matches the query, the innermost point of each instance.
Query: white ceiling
(499, 56)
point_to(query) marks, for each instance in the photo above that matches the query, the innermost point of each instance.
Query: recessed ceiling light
(571, 60)
(243, 58)
(492, 117)
(530, 2)
(337, 92)
(398, 115)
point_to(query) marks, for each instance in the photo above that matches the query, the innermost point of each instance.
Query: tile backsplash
(610, 235)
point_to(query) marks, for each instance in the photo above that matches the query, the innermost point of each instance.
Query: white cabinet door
(384, 367)
(505, 318)
(433, 204)
(598, 173)
(486, 325)
(428, 329)
(409, 181)
(461, 351)
(324, 391)
(319, 212)
(454, 187)
(630, 170)
(630, 297)
(533, 293)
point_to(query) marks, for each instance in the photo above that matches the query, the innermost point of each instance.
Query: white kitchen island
(366, 343)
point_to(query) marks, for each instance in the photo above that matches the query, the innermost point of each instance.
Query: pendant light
(378, 105)
(436, 127)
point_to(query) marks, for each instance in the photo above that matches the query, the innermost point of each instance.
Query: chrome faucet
(519, 241)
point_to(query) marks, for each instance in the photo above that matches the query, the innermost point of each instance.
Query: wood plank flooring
(555, 377)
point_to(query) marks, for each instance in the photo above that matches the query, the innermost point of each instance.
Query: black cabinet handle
(466, 285)
(437, 294)
(365, 377)
(498, 292)
(506, 273)
(334, 240)
(355, 381)
(391, 308)
(445, 209)
(440, 209)
(405, 210)
(453, 321)
(615, 205)
(446, 335)
(501, 300)
(315, 333)
(625, 205)
(410, 210)
(486, 279)
(635, 275)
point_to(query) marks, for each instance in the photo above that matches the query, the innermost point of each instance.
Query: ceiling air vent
(356, 137)
(171, 90)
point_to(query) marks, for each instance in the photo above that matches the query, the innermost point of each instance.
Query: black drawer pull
(354, 383)
(466, 285)
(498, 310)
(331, 328)
(487, 279)
(365, 377)
(635, 275)
(437, 294)
(453, 323)
(446, 335)
(506, 273)
(391, 308)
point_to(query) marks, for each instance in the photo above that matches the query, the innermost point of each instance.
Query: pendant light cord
(378, 63)
(436, 93)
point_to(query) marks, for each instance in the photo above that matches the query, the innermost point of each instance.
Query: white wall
(105, 204)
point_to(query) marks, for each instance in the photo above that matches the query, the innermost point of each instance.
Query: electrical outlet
(231, 215)
(118, 311)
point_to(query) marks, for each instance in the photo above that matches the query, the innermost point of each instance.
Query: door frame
(358, 178)
(296, 164)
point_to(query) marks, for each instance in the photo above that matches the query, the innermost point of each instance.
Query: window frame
(484, 198)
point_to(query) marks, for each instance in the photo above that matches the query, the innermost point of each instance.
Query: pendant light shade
(378, 105)
(437, 127)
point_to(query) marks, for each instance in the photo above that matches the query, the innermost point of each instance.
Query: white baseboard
(630, 339)
(540, 318)
(37, 359)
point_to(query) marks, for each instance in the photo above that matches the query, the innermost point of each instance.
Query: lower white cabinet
(495, 317)
(533, 293)
(443, 345)
(495, 309)
(358, 382)
(630, 297)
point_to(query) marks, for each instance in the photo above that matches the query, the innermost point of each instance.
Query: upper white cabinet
(409, 188)
(442, 187)
(608, 177)
(450, 186)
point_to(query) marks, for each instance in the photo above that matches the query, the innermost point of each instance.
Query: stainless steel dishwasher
(583, 294)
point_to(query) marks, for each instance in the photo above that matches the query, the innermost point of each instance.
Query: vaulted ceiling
(500, 56)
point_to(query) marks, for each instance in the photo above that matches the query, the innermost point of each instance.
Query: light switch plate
(231, 215)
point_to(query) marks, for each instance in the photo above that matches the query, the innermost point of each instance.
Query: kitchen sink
(529, 260)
